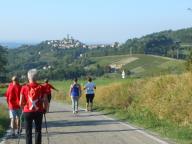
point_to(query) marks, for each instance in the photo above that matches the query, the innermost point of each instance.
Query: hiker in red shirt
(13, 95)
(48, 87)
(33, 101)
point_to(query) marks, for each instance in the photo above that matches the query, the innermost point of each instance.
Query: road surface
(87, 128)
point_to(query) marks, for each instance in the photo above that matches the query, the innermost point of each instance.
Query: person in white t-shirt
(90, 93)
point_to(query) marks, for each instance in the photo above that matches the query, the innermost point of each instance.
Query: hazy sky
(90, 20)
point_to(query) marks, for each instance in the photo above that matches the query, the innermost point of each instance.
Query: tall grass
(4, 120)
(163, 104)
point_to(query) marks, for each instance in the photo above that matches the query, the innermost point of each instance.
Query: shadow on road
(64, 123)
(94, 131)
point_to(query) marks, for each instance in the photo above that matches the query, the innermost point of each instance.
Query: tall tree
(3, 59)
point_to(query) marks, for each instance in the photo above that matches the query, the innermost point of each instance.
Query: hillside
(142, 65)
(65, 63)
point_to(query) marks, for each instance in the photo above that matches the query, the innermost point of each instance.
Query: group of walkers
(75, 93)
(32, 101)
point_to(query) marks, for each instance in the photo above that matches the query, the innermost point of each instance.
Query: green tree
(3, 60)
(189, 62)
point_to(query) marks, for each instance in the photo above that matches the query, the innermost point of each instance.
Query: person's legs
(18, 113)
(13, 126)
(28, 127)
(38, 125)
(91, 102)
(13, 123)
(49, 100)
(87, 102)
(73, 103)
(76, 102)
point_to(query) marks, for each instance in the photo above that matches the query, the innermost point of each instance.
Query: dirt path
(88, 128)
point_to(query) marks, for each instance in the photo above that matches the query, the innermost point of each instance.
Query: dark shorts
(89, 98)
(49, 98)
(15, 113)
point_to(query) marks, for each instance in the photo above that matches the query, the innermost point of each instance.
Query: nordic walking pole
(20, 127)
(46, 128)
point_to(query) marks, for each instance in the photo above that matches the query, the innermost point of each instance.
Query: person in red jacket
(13, 95)
(48, 87)
(33, 101)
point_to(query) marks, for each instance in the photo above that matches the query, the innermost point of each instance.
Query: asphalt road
(88, 128)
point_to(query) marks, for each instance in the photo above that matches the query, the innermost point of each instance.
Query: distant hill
(169, 43)
(12, 45)
(140, 65)
(75, 61)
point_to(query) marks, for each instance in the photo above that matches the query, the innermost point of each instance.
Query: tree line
(58, 63)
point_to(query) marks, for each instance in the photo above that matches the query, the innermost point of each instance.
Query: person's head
(46, 80)
(14, 79)
(32, 75)
(75, 80)
(89, 79)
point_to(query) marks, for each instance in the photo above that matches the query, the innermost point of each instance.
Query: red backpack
(35, 99)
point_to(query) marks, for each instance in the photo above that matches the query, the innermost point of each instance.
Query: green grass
(4, 119)
(154, 66)
(144, 66)
(2, 91)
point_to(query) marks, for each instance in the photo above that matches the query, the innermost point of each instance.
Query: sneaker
(19, 131)
(73, 112)
(13, 135)
(76, 111)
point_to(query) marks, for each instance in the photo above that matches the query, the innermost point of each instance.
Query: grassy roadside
(161, 104)
(4, 119)
(2, 91)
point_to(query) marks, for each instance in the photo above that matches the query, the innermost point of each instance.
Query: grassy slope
(162, 104)
(4, 119)
(145, 65)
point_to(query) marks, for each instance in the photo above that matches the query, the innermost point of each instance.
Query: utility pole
(130, 51)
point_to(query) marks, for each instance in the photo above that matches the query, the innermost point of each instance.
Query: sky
(90, 21)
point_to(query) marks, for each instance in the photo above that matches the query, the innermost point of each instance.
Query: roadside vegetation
(4, 119)
(161, 104)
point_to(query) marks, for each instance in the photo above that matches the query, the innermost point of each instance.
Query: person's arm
(52, 87)
(94, 86)
(44, 99)
(70, 90)
(45, 103)
(22, 100)
(7, 94)
(79, 90)
(85, 87)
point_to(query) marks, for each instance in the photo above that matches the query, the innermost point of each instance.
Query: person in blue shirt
(75, 93)
(90, 93)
